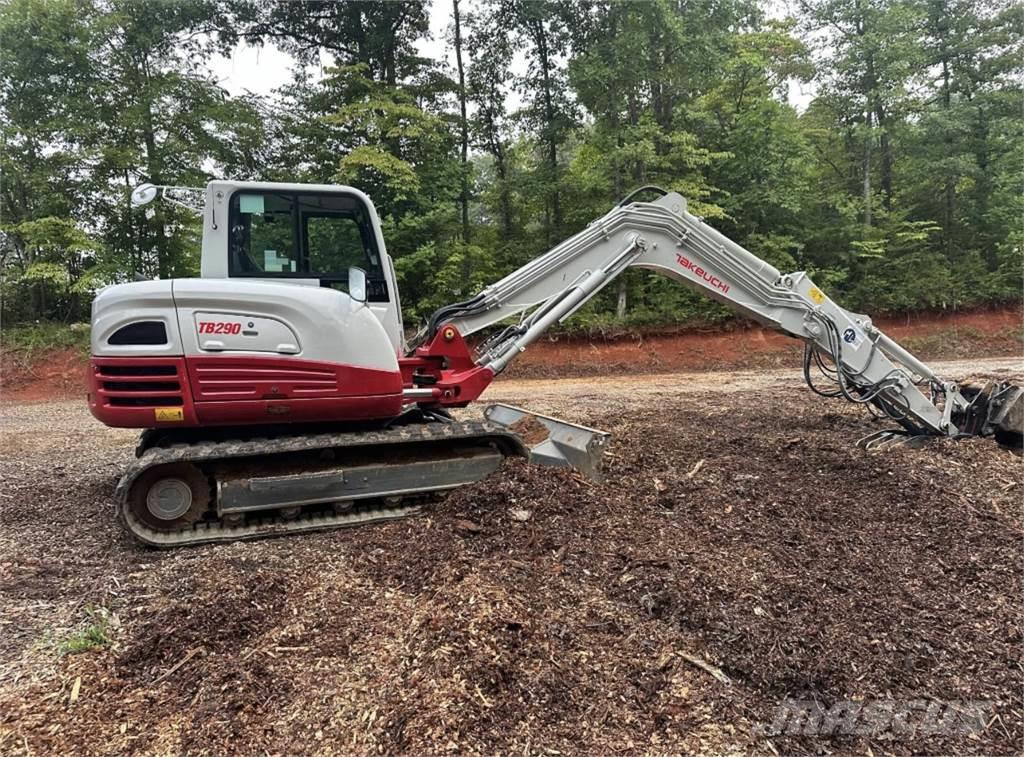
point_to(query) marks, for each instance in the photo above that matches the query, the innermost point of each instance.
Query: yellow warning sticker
(167, 414)
(817, 295)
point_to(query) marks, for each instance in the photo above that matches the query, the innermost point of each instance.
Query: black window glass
(262, 234)
(140, 332)
(304, 236)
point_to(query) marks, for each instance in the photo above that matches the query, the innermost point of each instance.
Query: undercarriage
(183, 491)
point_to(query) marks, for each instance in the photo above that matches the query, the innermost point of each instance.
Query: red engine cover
(228, 390)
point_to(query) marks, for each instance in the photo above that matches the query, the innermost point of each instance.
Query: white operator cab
(302, 234)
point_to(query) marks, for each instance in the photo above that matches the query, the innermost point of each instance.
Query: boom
(864, 365)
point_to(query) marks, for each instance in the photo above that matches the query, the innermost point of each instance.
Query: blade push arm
(862, 364)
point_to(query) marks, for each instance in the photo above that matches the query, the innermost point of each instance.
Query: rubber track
(210, 451)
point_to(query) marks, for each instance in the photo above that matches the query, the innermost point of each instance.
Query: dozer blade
(552, 441)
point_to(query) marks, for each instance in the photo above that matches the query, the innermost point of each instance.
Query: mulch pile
(741, 552)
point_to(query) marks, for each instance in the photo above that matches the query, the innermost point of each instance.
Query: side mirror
(357, 284)
(144, 194)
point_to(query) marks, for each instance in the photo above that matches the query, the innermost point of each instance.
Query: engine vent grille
(145, 401)
(140, 385)
(138, 370)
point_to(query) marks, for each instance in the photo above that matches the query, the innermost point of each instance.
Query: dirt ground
(741, 552)
(930, 336)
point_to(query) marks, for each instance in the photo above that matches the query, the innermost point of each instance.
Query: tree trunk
(551, 136)
(463, 125)
(885, 149)
(867, 169)
(355, 15)
(870, 85)
(506, 198)
(497, 151)
(620, 305)
(154, 169)
(983, 187)
(949, 190)
(129, 219)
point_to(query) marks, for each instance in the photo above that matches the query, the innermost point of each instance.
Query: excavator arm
(860, 363)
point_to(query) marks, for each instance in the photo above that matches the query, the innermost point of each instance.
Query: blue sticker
(853, 336)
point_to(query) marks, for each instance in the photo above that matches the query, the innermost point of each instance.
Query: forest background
(897, 184)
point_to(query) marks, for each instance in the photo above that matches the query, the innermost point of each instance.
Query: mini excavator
(277, 392)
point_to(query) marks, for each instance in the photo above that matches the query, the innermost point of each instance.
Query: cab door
(305, 235)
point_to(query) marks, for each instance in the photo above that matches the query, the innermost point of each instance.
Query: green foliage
(32, 338)
(95, 633)
(388, 133)
(454, 272)
(98, 96)
(898, 186)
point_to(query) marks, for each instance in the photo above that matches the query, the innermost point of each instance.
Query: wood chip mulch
(741, 552)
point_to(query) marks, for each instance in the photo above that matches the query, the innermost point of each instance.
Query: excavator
(277, 392)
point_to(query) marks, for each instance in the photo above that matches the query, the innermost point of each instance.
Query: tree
(898, 186)
(463, 122)
(377, 34)
(549, 112)
(969, 121)
(46, 125)
(764, 181)
(871, 53)
(490, 59)
(99, 96)
(630, 69)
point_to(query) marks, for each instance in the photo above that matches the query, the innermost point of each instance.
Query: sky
(261, 70)
(252, 69)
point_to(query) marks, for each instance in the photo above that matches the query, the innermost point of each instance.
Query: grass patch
(93, 635)
(944, 341)
(607, 326)
(45, 335)
(1016, 333)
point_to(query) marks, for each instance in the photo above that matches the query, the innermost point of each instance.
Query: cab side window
(307, 235)
(336, 233)
(335, 244)
(262, 237)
